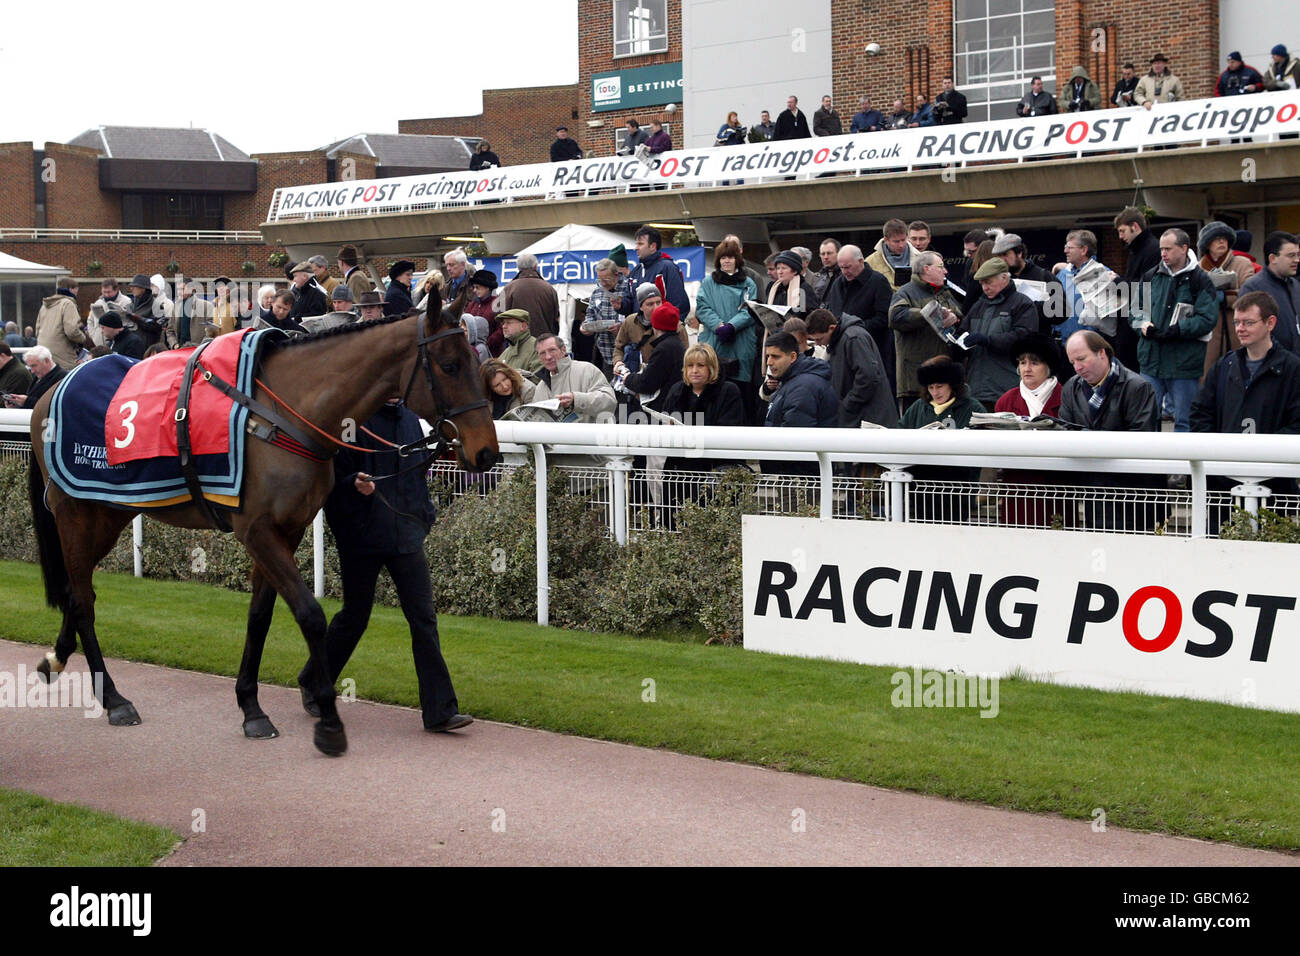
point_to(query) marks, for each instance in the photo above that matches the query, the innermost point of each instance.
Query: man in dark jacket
(121, 340)
(792, 124)
(867, 119)
(857, 373)
(1171, 348)
(530, 292)
(994, 325)
(45, 370)
(1238, 78)
(1278, 279)
(308, 298)
(564, 148)
(15, 379)
(664, 366)
(804, 396)
(1122, 95)
(652, 264)
(950, 105)
(383, 524)
(860, 290)
(1143, 256)
(148, 313)
(1011, 249)
(1037, 102)
(826, 121)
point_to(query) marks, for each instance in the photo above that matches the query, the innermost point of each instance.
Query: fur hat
(1041, 347)
(484, 277)
(1214, 230)
(400, 267)
(790, 258)
(941, 370)
(665, 318)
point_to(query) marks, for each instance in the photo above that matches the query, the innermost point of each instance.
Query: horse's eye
(451, 368)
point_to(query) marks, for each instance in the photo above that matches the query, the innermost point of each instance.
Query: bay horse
(332, 380)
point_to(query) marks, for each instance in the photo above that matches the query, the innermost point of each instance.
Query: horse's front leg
(273, 552)
(257, 725)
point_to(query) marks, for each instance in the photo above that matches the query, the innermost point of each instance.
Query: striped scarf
(1099, 392)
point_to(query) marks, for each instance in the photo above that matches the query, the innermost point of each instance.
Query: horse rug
(112, 430)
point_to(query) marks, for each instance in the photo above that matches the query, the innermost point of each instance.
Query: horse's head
(448, 392)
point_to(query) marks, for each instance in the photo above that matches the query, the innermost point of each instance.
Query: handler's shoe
(452, 723)
(309, 702)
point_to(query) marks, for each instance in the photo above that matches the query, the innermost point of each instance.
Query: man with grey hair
(860, 291)
(13, 338)
(1090, 299)
(603, 319)
(320, 268)
(46, 371)
(916, 340)
(456, 266)
(530, 292)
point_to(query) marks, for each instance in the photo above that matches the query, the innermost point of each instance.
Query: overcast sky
(265, 80)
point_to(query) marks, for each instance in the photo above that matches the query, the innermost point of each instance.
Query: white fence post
(137, 544)
(543, 533)
(1254, 495)
(896, 480)
(318, 554)
(827, 484)
(1199, 503)
(619, 469)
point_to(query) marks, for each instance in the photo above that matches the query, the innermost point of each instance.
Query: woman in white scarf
(1039, 393)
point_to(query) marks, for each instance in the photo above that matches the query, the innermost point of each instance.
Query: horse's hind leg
(81, 556)
(256, 724)
(54, 662)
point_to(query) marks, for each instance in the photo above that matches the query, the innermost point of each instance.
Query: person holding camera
(1037, 102)
(1081, 92)
(950, 105)
(1238, 79)
(1159, 85)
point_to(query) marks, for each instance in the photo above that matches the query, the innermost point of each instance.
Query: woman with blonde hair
(432, 282)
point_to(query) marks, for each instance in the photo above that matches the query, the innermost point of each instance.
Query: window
(640, 27)
(173, 211)
(999, 45)
(620, 134)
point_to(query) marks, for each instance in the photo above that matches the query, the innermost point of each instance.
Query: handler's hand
(363, 484)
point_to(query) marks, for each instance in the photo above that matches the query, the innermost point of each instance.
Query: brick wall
(122, 260)
(916, 45)
(18, 197)
(248, 210)
(518, 124)
(73, 199)
(596, 55)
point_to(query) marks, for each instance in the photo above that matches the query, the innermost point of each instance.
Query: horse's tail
(53, 570)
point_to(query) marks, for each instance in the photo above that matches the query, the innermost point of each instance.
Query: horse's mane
(350, 329)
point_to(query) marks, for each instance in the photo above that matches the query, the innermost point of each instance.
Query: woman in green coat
(946, 404)
(726, 325)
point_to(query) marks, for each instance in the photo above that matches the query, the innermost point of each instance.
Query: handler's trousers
(410, 574)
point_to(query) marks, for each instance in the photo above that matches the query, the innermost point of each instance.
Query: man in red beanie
(664, 367)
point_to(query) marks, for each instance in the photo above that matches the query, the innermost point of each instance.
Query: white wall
(748, 56)
(1253, 26)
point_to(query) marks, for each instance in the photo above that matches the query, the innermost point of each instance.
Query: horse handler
(386, 528)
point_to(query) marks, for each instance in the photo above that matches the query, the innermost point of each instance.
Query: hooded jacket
(805, 398)
(1081, 93)
(58, 328)
(859, 377)
(476, 330)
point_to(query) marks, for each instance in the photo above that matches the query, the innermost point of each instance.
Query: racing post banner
(1215, 620)
(1090, 132)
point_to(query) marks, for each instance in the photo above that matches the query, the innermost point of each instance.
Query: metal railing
(135, 235)
(637, 501)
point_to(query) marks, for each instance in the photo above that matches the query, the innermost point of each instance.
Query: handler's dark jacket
(362, 523)
(1269, 404)
(129, 343)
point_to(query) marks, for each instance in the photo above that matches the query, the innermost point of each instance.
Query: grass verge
(1169, 765)
(40, 832)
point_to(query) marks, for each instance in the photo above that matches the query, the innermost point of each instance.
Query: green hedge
(482, 554)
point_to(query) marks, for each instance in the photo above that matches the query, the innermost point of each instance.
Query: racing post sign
(937, 146)
(1215, 620)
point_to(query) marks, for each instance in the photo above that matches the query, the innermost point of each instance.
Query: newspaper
(1011, 420)
(1031, 290)
(547, 410)
(772, 316)
(1223, 279)
(1181, 311)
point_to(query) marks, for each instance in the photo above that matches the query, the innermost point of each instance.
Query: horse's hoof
(331, 741)
(260, 728)
(43, 668)
(123, 715)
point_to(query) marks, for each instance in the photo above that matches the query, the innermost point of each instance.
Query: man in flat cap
(309, 299)
(994, 325)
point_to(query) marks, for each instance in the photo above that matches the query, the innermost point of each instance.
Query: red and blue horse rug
(111, 436)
